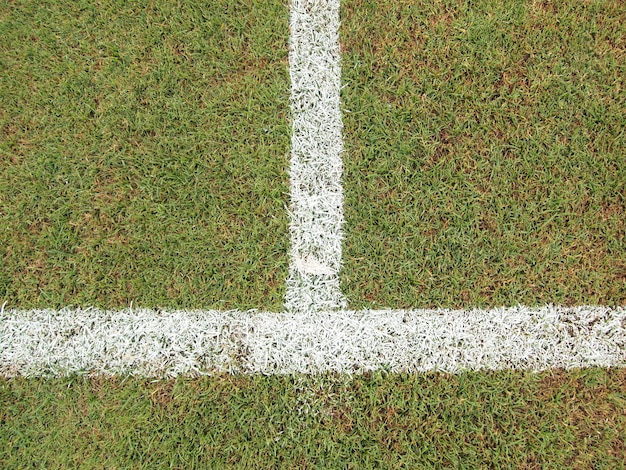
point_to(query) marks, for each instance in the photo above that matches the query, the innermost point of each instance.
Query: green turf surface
(477, 420)
(143, 153)
(485, 148)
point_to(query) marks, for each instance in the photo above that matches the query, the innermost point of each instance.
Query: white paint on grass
(316, 211)
(314, 334)
(165, 344)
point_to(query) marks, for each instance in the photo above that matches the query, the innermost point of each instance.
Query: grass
(485, 149)
(475, 420)
(143, 154)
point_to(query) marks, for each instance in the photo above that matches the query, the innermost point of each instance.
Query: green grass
(143, 154)
(478, 420)
(485, 145)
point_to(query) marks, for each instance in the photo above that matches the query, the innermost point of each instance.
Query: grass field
(143, 154)
(484, 153)
(144, 150)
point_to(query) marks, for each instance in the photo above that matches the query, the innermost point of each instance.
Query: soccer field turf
(484, 160)
(143, 172)
(143, 154)
(145, 159)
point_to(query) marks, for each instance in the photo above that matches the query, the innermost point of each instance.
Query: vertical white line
(316, 211)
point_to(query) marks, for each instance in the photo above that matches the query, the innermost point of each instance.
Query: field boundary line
(164, 344)
(316, 209)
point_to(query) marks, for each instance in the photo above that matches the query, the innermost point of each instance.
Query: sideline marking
(166, 344)
(316, 210)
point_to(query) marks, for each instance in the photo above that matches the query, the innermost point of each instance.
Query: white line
(165, 344)
(316, 211)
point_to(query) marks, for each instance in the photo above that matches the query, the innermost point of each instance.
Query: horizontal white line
(168, 343)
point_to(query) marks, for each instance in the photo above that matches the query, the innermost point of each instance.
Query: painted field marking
(316, 211)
